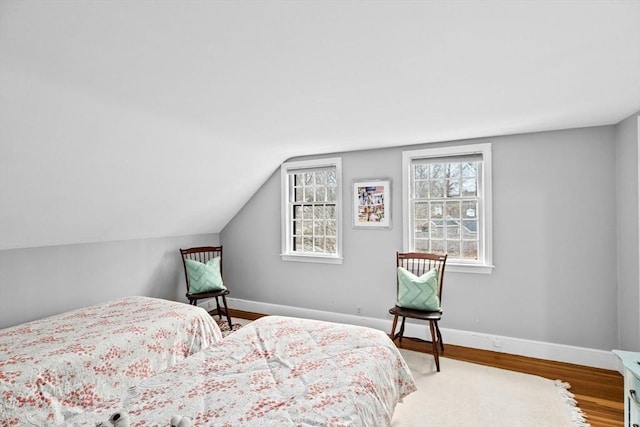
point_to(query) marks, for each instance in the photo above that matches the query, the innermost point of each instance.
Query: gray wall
(554, 199)
(628, 275)
(555, 250)
(38, 282)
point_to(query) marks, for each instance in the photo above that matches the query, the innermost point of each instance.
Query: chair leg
(439, 337)
(434, 343)
(393, 328)
(226, 311)
(401, 333)
(218, 308)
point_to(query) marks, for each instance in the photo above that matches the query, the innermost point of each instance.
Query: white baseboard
(538, 349)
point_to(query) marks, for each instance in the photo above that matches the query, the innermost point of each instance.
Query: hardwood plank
(241, 314)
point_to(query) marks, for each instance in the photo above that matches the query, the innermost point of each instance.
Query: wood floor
(599, 392)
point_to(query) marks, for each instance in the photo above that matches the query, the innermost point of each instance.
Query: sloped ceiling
(141, 119)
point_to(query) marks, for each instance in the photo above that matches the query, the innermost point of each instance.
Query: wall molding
(518, 346)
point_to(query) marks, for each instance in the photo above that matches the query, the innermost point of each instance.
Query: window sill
(468, 268)
(312, 258)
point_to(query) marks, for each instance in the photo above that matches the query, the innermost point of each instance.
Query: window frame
(484, 266)
(286, 229)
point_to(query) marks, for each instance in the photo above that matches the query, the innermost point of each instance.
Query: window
(447, 200)
(311, 210)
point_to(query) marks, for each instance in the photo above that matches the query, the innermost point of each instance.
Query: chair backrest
(201, 254)
(419, 263)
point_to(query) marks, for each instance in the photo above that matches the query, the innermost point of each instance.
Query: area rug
(224, 326)
(467, 394)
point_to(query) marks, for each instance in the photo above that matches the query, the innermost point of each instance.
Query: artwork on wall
(372, 203)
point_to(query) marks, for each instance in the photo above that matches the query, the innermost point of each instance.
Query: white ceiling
(141, 119)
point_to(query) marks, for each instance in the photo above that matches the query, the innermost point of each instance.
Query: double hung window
(311, 217)
(448, 204)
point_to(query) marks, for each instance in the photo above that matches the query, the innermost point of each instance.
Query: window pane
(437, 170)
(422, 245)
(332, 180)
(437, 188)
(469, 209)
(422, 229)
(469, 170)
(297, 212)
(330, 211)
(330, 244)
(453, 249)
(331, 194)
(453, 187)
(297, 244)
(421, 171)
(331, 229)
(321, 194)
(438, 246)
(307, 212)
(422, 189)
(297, 194)
(308, 178)
(421, 210)
(307, 227)
(318, 228)
(453, 230)
(308, 194)
(318, 244)
(469, 187)
(308, 244)
(469, 229)
(437, 229)
(453, 170)
(470, 250)
(452, 209)
(437, 210)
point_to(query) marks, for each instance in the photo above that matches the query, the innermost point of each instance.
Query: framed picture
(372, 203)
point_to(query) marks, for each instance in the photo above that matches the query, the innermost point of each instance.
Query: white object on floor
(119, 419)
(180, 421)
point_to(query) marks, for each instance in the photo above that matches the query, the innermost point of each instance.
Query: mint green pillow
(204, 277)
(418, 293)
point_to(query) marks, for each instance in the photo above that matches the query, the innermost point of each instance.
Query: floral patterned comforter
(84, 360)
(276, 371)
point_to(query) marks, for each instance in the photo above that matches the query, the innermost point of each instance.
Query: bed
(276, 371)
(84, 360)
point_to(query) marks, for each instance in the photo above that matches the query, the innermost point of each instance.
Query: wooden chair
(419, 264)
(203, 254)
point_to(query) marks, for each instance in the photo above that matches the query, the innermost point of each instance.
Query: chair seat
(209, 294)
(416, 314)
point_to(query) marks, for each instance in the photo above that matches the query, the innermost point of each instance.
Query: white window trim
(486, 239)
(285, 169)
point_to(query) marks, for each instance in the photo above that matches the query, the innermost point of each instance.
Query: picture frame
(371, 203)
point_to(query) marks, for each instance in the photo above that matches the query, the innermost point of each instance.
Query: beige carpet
(465, 394)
